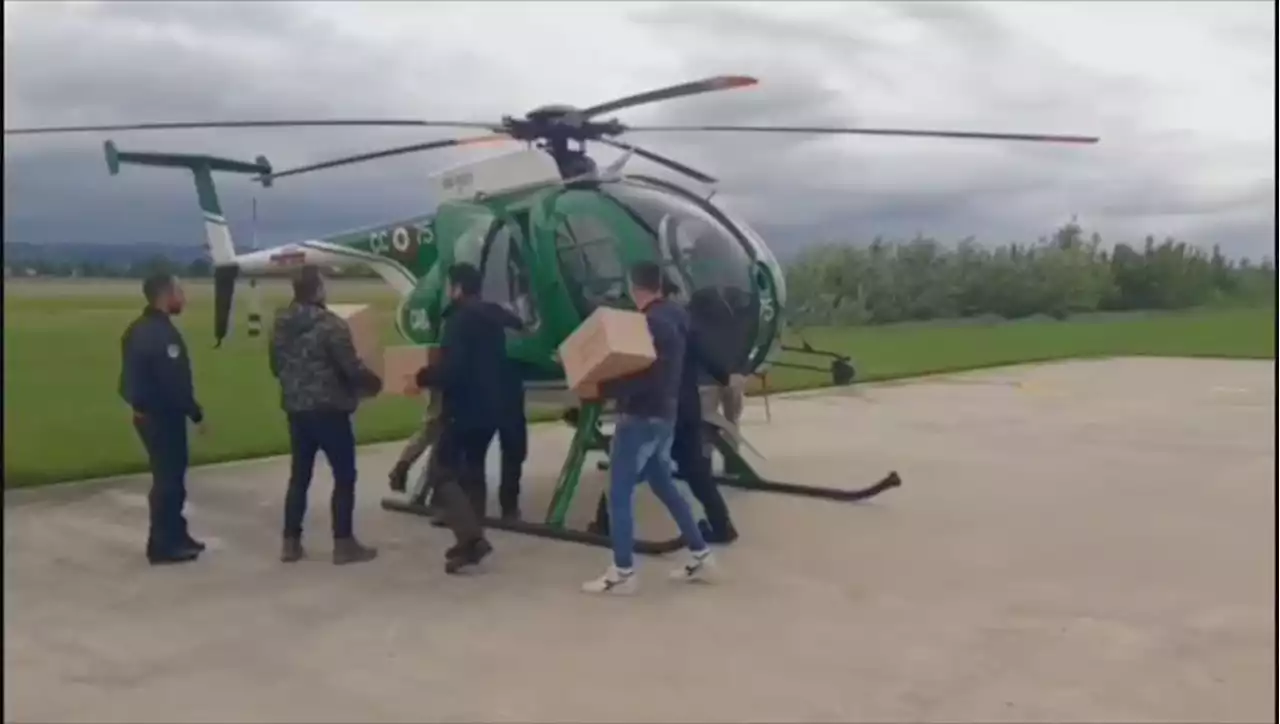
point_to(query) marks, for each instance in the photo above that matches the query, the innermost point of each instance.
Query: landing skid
(545, 530)
(740, 474)
(587, 437)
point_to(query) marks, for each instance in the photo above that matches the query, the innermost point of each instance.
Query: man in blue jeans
(646, 409)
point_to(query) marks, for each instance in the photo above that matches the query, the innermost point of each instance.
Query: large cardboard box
(364, 332)
(611, 343)
(401, 363)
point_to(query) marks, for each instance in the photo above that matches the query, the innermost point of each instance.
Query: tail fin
(217, 233)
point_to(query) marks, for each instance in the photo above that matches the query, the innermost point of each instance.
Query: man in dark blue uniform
(155, 379)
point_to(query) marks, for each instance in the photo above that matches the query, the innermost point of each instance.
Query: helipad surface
(1087, 541)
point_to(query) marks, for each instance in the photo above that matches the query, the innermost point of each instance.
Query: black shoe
(510, 513)
(292, 551)
(715, 536)
(467, 554)
(193, 544)
(182, 555)
(350, 550)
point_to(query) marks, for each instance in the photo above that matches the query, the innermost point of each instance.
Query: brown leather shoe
(349, 550)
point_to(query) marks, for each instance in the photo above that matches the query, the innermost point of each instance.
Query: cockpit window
(589, 258)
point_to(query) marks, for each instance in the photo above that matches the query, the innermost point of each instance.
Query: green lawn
(63, 420)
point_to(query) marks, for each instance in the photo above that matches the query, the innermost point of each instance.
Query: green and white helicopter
(553, 234)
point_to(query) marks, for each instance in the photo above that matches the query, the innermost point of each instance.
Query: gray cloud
(923, 64)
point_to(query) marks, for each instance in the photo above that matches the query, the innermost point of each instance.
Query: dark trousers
(693, 465)
(456, 478)
(165, 439)
(330, 432)
(513, 440)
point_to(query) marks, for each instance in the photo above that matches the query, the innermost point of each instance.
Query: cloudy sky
(1182, 94)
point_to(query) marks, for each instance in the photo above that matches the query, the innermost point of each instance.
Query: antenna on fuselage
(254, 320)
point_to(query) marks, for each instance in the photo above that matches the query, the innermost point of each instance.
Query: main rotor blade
(386, 153)
(706, 85)
(973, 135)
(663, 160)
(411, 123)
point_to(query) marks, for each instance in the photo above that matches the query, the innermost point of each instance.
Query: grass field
(63, 420)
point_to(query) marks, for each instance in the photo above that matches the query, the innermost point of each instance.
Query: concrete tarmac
(1084, 541)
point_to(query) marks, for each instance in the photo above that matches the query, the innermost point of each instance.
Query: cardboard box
(611, 343)
(400, 363)
(364, 332)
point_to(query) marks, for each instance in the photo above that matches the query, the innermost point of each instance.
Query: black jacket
(473, 372)
(654, 391)
(155, 371)
(698, 358)
(724, 320)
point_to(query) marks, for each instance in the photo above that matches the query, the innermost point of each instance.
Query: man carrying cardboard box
(322, 379)
(646, 404)
(690, 455)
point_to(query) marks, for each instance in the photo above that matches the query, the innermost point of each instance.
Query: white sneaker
(615, 580)
(699, 567)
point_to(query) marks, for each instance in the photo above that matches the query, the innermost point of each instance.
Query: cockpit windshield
(705, 253)
(710, 269)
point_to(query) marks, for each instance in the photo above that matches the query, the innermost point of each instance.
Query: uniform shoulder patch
(173, 351)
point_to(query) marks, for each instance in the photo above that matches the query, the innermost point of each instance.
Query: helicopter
(553, 235)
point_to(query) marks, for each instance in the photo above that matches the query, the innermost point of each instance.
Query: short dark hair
(307, 282)
(466, 277)
(157, 284)
(647, 276)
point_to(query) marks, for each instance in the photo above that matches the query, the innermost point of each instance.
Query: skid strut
(588, 437)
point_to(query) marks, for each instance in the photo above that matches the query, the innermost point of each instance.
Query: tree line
(1070, 272)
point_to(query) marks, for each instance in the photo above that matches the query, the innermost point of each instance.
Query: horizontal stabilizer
(116, 157)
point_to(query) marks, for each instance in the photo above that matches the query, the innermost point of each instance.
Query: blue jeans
(642, 451)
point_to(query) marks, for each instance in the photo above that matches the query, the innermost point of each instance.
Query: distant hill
(107, 254)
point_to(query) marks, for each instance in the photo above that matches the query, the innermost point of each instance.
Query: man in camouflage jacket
(321, 382)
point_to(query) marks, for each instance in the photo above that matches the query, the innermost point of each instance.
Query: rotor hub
(559, 123)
